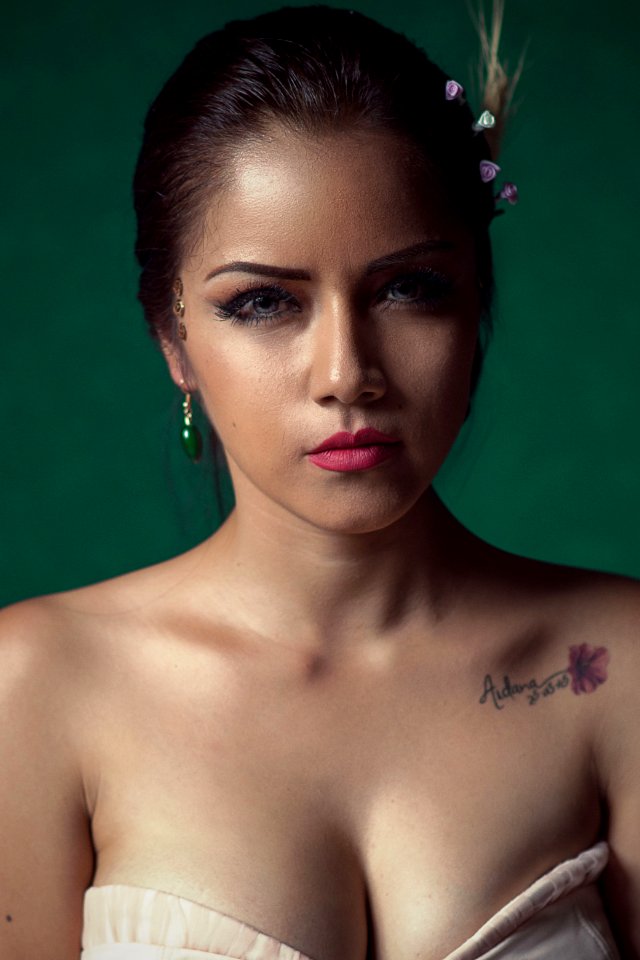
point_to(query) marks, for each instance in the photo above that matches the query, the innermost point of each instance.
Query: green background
(93, 482)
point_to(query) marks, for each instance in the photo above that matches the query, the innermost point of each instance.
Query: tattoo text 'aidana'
(586, 670)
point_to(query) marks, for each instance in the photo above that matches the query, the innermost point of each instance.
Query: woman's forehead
(313, 198)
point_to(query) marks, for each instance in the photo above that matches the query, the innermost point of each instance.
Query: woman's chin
(364, 512)
(359, 502)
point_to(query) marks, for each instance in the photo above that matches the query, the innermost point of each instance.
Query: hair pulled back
(315, 70)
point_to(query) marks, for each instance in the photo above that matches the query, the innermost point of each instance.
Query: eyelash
(231, 309)
(438, 287)
(441, 287)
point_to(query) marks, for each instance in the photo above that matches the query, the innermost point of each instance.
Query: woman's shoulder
(65, 631)
(599, 616)
(580, 598)
(595, 618)
(602, 617)
(117, 596)
(588, 599)
(33, 636)
(567, 611)
(598, 608)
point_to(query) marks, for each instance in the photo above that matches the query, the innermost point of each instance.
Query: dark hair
(315, 69)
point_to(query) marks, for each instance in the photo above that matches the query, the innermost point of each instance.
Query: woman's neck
(275, 571)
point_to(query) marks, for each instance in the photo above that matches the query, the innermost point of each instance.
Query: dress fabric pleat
(558, 917)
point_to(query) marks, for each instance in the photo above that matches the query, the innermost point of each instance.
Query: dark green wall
(93, 483)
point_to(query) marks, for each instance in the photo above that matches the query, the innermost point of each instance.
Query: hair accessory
(509, 193)
(190, 435)
(454, 91)
(485, 121)
(488, 170)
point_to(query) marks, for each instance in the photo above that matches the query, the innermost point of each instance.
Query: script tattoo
(586, 670)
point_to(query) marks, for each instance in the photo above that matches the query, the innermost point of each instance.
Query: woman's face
(331, 291)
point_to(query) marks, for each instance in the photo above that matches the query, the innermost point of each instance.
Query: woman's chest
(392, 818)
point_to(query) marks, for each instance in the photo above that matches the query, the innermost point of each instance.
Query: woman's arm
(46, 854)
(618, 761)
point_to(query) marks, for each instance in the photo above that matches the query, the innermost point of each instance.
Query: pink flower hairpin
(454, 91)
(488, 170)
(509, 193)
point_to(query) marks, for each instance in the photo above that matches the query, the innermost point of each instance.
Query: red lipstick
(346, 452)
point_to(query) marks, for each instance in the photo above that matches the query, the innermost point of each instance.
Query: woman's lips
(354, 451)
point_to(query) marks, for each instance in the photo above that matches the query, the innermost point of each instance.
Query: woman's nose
(345, 363)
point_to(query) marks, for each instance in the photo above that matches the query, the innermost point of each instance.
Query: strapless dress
(560, 915)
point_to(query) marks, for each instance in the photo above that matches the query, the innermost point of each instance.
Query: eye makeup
(257, 293)
(421, 287)
(430, 287)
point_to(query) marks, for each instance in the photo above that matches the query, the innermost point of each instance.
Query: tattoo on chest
(586, 670)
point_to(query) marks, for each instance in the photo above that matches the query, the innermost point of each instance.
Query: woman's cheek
(248, 410)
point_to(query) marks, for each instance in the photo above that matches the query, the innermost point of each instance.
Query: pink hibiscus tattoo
(587, 667)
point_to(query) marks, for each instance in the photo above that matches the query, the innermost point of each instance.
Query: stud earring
(178, 306)
(190, 435)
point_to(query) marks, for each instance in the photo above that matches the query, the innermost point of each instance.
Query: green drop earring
(190, 435)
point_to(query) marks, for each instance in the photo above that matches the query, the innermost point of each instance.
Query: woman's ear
(179, 367)
(172, 344)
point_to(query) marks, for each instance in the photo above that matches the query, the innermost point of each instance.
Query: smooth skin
(284, 723)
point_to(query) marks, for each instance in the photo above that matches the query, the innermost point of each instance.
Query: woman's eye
(406, 290)
(257, 305)
(264, 305)
(422, 287)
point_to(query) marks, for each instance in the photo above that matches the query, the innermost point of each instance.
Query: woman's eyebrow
(408, 253)
(263, 269)
(291, 273)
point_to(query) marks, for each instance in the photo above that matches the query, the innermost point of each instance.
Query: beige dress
(559, 917)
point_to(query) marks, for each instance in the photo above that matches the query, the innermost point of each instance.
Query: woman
(343, 726)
